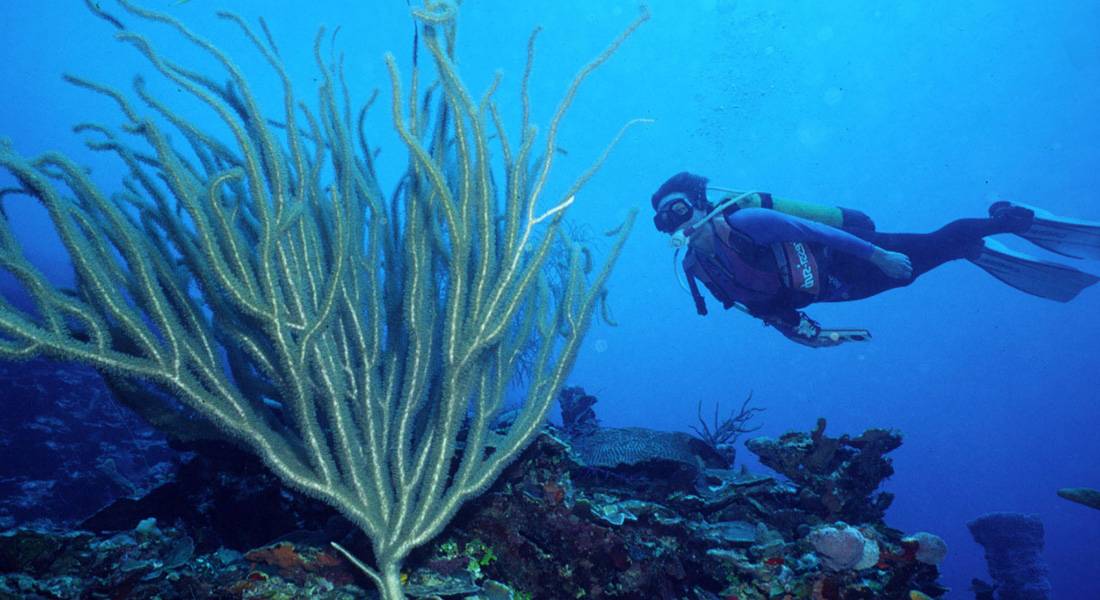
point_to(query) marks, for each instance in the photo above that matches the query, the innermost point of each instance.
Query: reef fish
(1088, 497)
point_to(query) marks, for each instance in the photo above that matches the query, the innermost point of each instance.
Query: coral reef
(838, 476)
(578, 418)
(149, 561)
(550, 527)
(1013, 545)
(646, 456)
(68, 449)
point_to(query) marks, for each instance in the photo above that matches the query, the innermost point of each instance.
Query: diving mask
(672, 212)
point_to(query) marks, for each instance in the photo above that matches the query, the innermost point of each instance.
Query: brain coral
(841, 547)
(931, 549)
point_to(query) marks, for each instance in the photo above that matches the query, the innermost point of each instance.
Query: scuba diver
(770, 257)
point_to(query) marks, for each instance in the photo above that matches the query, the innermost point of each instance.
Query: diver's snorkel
(682, 237)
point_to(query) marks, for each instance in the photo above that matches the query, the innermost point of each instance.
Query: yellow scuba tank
(834, 216)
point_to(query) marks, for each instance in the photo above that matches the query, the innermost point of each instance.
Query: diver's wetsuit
(845, 262)
(773, 263)
(957, 240)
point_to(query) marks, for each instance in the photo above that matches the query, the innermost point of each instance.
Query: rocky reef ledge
(606, 513)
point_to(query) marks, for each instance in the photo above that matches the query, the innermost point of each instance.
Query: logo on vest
(804, 266)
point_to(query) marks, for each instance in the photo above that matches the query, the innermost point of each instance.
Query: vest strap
(696, 295)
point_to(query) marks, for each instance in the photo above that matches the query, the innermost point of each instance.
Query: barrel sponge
(1008, 530)
(1013, 545)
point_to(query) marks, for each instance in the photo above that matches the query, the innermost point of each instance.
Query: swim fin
(1035, 276)
(1075, 238)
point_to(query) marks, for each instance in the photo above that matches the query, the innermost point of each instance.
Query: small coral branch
(723, 435)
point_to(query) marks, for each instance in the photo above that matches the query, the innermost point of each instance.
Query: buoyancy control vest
(737, 270)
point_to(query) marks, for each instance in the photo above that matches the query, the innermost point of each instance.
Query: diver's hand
(894, 264)
(798, 327)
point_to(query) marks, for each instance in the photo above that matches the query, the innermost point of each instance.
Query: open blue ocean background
(914, 112)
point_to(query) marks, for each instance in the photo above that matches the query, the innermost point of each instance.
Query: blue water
(914, 112)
